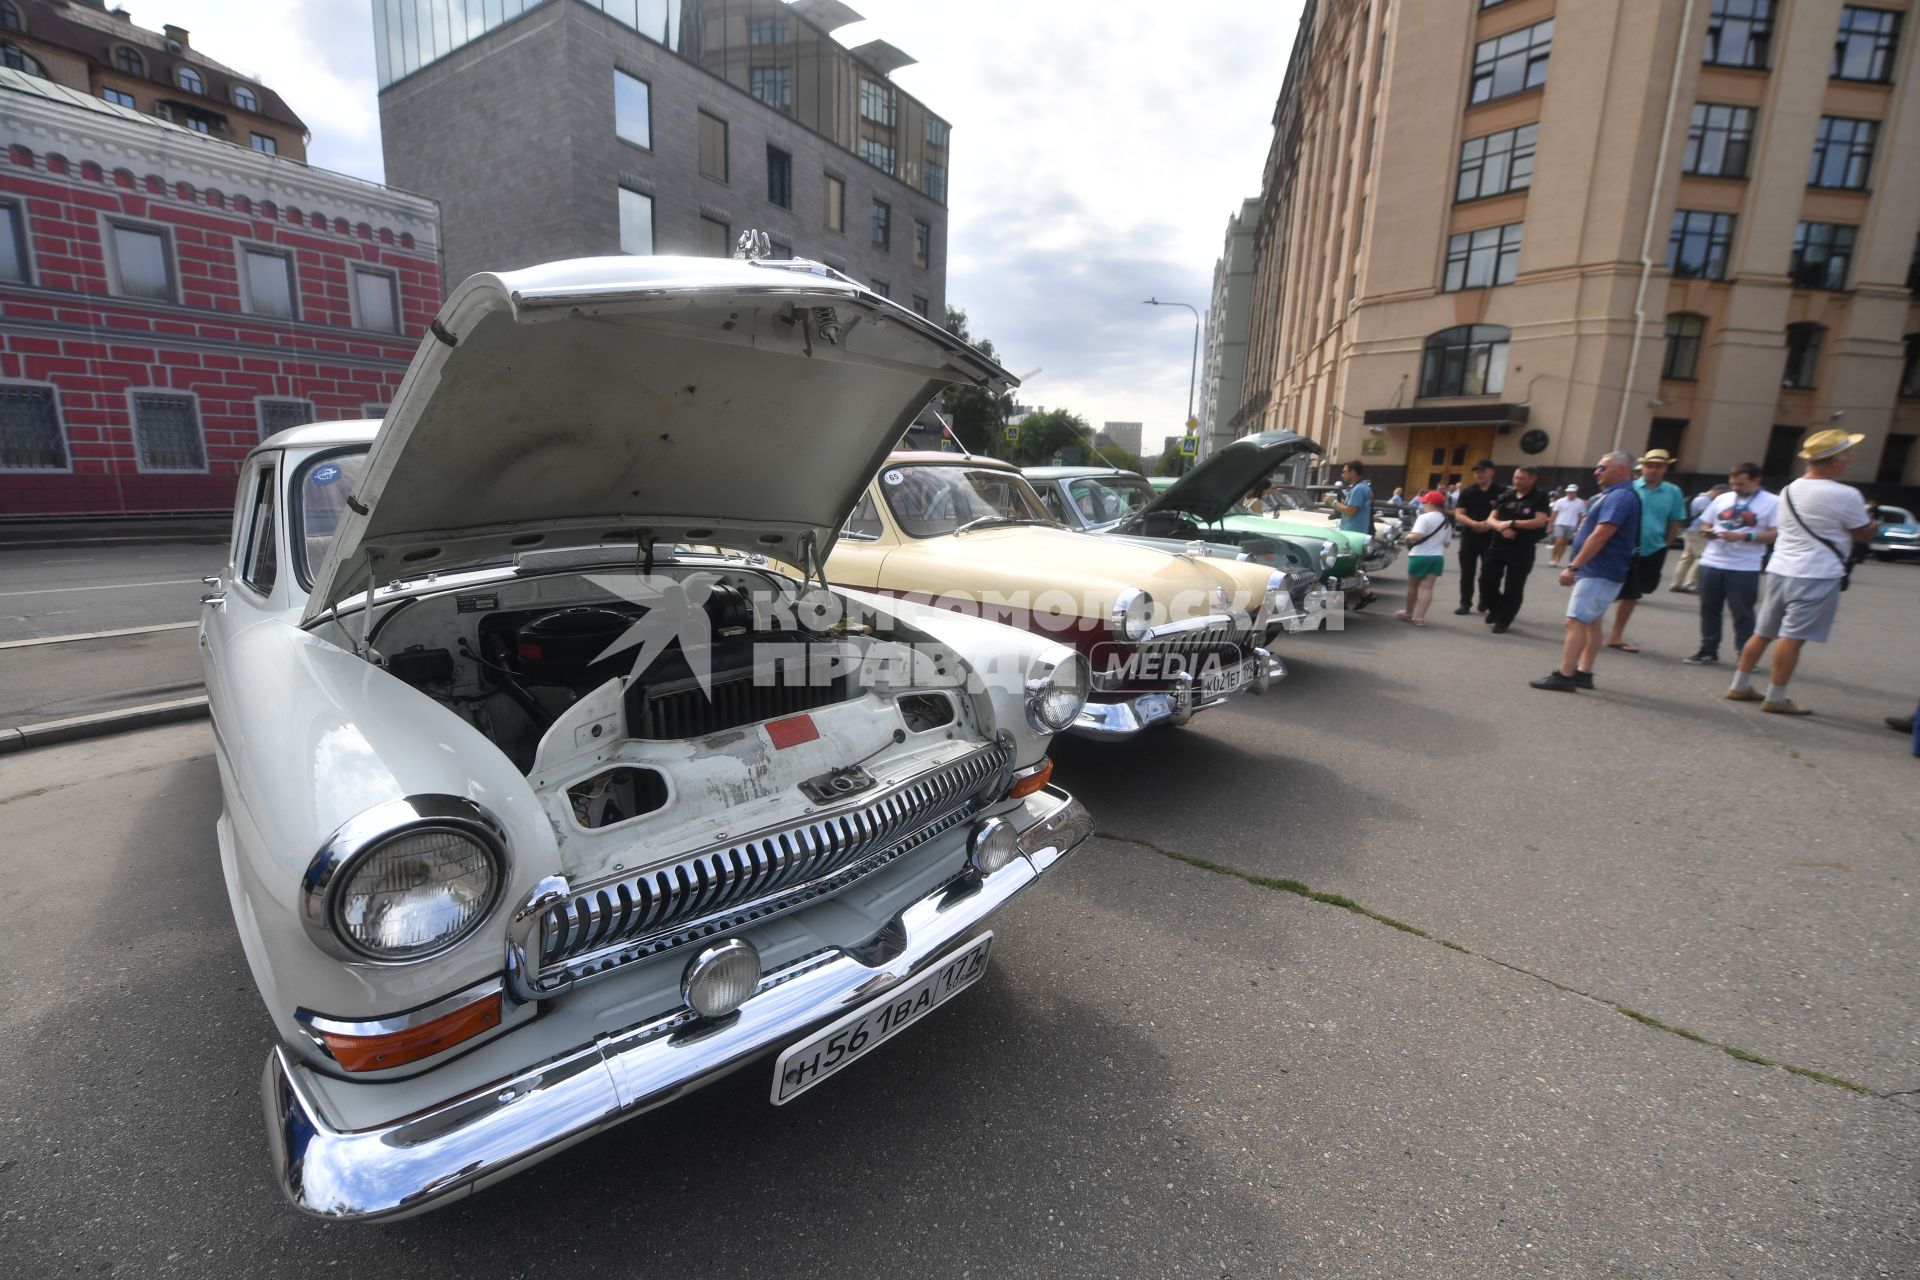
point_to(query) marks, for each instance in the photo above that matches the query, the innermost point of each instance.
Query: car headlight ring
(1132, 615)
(1057, 687)
(1328, 554)
(1277, 595)
(406, 880)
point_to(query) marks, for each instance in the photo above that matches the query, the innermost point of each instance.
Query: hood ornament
(753, 245)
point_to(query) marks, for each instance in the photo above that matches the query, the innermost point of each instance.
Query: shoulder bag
(1846, 563)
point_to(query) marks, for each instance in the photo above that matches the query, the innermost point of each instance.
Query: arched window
(10, 17)
(20, 60)
(244, 98)
(1684, 331)
(1469, 360)
(128, 59)
(189, 79)
(1803, 355)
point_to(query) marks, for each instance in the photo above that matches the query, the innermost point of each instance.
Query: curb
(101, 723)
(52, 544)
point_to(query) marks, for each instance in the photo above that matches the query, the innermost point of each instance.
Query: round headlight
(1132, 614)
(720, 978)
(1276, 592)
(415, 894)
(1057, 690)
(1328, 555)
(992, 846)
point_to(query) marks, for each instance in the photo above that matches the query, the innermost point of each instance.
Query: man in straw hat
(1663, 510)
(1820, 520)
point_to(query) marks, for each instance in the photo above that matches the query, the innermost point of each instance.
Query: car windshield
(1895, 515)
(320, 498)
(1105, 499)
(928, 501)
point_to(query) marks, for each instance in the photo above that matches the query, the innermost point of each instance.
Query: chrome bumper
(468, 1142)
(1117, 721)
(1355, 585)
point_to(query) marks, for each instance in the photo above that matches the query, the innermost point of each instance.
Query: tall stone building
(1228, 317)
(1538, 230)
(563, 128)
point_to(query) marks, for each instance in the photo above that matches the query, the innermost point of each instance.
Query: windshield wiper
(986, 520)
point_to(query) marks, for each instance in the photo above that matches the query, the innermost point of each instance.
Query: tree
(1169, 463)
(1044, 434)
(978, 415)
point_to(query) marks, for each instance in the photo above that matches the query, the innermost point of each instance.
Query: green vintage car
(1351, 547)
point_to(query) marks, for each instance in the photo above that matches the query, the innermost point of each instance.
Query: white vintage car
(551, 790)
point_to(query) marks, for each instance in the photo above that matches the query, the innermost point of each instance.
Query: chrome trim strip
(454, 1148)
(1234, 622)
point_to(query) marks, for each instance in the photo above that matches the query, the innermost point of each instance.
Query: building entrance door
(1441, 457)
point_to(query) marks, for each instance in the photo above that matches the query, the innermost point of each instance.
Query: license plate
(1225, 681)
(872, 1025)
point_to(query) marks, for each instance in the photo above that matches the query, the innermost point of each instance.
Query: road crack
(1300, 889)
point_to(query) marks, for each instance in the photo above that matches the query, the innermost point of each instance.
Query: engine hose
(513, 689)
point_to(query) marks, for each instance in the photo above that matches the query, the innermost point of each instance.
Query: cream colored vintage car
(548, 796)
(1167, 634)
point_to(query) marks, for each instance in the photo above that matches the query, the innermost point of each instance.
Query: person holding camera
(1820, 518)
(1736, 527)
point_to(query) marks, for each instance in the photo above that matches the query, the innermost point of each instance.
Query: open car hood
(1223, 477)
(712, 401)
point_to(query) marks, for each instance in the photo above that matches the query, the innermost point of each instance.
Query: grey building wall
(1228, 324)
(514, 135)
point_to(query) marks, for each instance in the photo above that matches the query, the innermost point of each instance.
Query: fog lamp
(992, 846)
(720, 978)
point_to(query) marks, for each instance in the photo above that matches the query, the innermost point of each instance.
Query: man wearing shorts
(1569, 509)
(1820, 520)
(1663, 510)
(1602, 558)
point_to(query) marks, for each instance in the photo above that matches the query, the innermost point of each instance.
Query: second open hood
(1223, 477)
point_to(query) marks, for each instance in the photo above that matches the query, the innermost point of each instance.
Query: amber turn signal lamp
(397, 1048)
(1033, 781)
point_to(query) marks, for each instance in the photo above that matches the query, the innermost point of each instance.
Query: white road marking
(96, 635)
(105, 586)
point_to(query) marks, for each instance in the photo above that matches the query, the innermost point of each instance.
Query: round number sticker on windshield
(893, 477)
(325, 474)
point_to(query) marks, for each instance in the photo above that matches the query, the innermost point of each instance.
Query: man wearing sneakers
(1820, 520)
(1738, 526)
(1602, 558)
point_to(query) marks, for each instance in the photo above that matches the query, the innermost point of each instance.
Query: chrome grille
(1197, 643)
(688, 712)
(604, 926)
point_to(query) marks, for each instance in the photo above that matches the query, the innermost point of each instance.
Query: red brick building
(168, 299)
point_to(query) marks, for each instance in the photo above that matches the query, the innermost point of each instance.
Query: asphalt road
(1170, 1070)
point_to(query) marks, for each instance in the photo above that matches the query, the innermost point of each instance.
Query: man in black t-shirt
(1519, 522)
(1472, 513)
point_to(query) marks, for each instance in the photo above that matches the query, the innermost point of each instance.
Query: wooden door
(1440, 457)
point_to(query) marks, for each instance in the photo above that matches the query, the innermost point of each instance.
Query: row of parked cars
(620, 712)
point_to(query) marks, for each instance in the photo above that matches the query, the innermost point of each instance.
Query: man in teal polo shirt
(1663, 510)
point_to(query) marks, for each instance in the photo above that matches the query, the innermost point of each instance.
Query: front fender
(309, 737)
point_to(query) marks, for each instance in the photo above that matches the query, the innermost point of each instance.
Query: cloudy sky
(1099, 148)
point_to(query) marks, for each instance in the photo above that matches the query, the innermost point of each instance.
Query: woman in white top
(1426, 546)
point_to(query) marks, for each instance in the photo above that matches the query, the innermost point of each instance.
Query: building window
(1511, 63)
(1803, 354)
(779, 177)
(773, 86)
(933, 181)
(245, 99)
(376, 301)
(633, 110)
(30, 435)
(1822, 253)
(265, 144)
(881, 287)
(882, 226)
(1666, 433)
(767, 31)
(118, 98)
(938, 131)
(779, 250)
(636, 222)
(1480, 259)
(1913, 269)
(10, 17)
(166, 432)
(922, 243)
(716, 238)
(189, 79)
(920, 304)
(128, 59)
(1739, 33)
(142, 266)
(198, 125)
(1698, 244)
(836, 204)
(269, 283)
(13, 244)
(1864, 48)
(1684, 331)
(1782, 444)
(1893, 460)
(15, 58)
(713, 147)
(1842, 153)
(1719, 140)
(1496, 164)
(279, 415)
(876, 102)
(1470, 360)
(1910, 369)
(877, 154)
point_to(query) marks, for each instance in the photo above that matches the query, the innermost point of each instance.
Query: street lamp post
(1193, 366)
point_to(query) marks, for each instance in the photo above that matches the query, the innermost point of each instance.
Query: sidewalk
(54, 692)
(91, 531)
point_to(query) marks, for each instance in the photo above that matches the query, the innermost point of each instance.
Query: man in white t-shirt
(1820, 519)
(1569, 509)
(1735, 529)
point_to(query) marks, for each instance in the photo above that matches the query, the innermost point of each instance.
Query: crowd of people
(1773, 564)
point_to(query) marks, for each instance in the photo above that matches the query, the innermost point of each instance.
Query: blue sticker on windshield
(325, 474)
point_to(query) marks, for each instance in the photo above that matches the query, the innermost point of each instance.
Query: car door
(251, 585)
